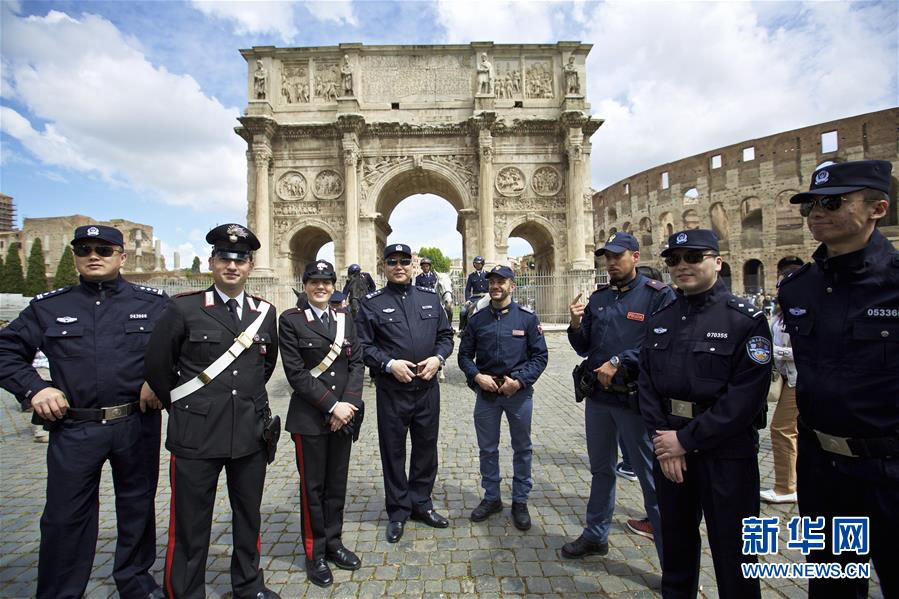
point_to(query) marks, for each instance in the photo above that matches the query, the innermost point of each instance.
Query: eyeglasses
(401, 261)
(689, 258)
(104, 251)
(829, 203)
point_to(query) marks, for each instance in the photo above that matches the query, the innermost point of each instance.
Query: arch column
(351, 199)
(485, 196)
(262, 156)
(577, 257)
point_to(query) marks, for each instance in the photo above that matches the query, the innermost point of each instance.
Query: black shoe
(583, 546)
(318, 573)
(344, 559)
(156, 594)
(520, 516)
(485, 509)
(395, 530)
(431, 518)
(267, 594)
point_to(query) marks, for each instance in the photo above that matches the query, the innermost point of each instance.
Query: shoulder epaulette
(46, 294)
(657, 285)
(795, 274)
(526, 308)
(744, 307)
(600, 288)
(291, 311)
(260, 299)
(428, 289)
(150, 290)
(186, 293)
(375, 293)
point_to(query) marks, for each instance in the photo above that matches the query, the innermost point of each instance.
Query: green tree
(12, 280)
(195, 267)
(36, 281)
(65, 271)
(440, 262)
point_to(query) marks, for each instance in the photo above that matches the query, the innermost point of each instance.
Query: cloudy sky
(126, 109)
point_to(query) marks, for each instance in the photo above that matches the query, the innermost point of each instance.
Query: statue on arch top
(346, 76)
(259, 81)
(572, 79)
(485, 76)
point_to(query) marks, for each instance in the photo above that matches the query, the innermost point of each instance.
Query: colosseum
(742, 192)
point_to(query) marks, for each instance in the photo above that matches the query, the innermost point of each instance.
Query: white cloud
(107, 109)
(500, 21)
(254, 16)
(339, 11)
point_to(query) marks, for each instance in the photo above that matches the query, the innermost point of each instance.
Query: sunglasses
(689, 258)
(104, 251)
(401, 261)
(829, 203)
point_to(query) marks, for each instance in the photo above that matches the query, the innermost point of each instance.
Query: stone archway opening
(305, 246)
(753, 276)
(751, 223)
(725, 275)
(424, 220)
(541, 242)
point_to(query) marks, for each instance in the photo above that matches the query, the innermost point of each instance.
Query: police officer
(427, 278)
(609, 330)
(406, 339)
(502, 353)
(705, 369)
(358, 285)
(208, 361)
(841, 311)
(476, 287)
(98, 408)
(322, 359)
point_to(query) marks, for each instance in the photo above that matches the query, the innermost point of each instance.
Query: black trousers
(194, 483)
(70, 521)
(724, 491)
(323, 462)
(831, 485)
(416, 412)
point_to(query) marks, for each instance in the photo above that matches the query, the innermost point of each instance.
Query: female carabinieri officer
(323, 363)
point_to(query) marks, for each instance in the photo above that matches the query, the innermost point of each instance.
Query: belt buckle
(245, 340)
(834, 444)
(114, 412)
(684, 409)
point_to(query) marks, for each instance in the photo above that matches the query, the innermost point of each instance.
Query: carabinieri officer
(406, 339)
(842, 314)
(94, 334)
(208, 361)
(705, 369)
(502, 353)
(323, 363)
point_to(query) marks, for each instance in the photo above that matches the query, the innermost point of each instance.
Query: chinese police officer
(98, 408)
(841, 311)
(609, 330)
(427, 278)
(321, 358)
(208, 360)
(406, 339)
(502, 353)
(705, 369)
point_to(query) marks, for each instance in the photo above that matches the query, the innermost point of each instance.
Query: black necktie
(232, 308)
(325, 320)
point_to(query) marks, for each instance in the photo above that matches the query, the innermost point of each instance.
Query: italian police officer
(841, 311)
(427, 278)
(610, 330)
(705, 369)
(476, 287)
(502, 353)
(98, 408)
(323, 363)
(406, 339)
(208, 360)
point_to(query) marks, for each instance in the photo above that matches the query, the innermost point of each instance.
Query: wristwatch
(615, 361)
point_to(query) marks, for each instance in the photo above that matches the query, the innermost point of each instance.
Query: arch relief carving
(546, 181)
(328, 185)
(510, 181)
(291, 186)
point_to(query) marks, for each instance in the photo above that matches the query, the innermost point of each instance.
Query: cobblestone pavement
(485, 560)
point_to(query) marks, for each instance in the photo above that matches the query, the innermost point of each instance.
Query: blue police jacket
(712, 349)
(842, 314)
(476, 284)
(94, 335)
(614, 324)
(402, 322)
(505, 342)
(426, 279)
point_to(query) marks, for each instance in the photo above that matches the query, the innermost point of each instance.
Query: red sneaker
(641, 527)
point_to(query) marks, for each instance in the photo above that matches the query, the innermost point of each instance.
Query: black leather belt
(684, 409)
(102, 414)
(871, 447)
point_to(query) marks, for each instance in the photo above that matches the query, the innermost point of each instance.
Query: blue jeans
(487, 416)
(604, 423)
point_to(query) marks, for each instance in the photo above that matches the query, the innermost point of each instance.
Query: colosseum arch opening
(666, 222)
(751, 223)
(646, 249)
(790, 227)
(725, 275)
(691, 219)
(753, 276)
(720, 224)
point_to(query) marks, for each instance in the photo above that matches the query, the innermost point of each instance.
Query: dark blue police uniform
(94, 335)
(476, 284)
(405, 322)
(842, 315)
(505, 342)
(614, 324)
(426, 279)
(705, 369)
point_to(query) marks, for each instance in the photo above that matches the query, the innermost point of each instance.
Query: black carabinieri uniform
(405, 322)
(323, 456)
(842, 314)
(94, 335)
(219, 425)
(711, 354)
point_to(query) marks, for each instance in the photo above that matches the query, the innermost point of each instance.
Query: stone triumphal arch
(337, 136)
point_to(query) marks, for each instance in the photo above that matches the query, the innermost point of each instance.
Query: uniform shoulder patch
(795, 274)
(145, 289)
(426, 289)
(657, 285)
(375, 293)
(759, 350)
(55, 292)
(744, 307)
(187, 293)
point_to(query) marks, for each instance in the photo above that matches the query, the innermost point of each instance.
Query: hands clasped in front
(404, 370)
(509, 386)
